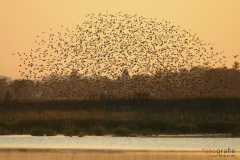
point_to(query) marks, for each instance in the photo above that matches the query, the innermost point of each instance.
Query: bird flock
(108, 44)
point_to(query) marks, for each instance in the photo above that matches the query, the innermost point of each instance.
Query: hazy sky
(214, 21)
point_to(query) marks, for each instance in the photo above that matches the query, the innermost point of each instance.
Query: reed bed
(13, 116)
(137, 116)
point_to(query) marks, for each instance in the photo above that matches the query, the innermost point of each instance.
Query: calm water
(92, 142)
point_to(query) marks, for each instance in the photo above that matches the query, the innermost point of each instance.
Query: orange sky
(214, 21)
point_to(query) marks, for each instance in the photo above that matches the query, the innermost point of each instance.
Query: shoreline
(220, 135)
(95, 150)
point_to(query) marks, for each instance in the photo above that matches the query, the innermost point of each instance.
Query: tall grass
(140, 116)
(198, 109)
(71, 127)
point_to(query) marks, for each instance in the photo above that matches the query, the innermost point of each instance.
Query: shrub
(121, 131)
(3, 125)
(132, 127)
(159, 125)
(146, 133)
(114, 123)
(99, 131)
(49, 132)
(76, 131)
(236, 132)
(216, 127)
(81, 134)
(4, 131)
(185, 128)
(69, 132)
(37, 132)
(171, 128)
(133, 135)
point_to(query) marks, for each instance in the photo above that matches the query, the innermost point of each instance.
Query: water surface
(133, 143)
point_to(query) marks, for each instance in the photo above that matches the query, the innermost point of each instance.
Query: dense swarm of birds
(108, 45)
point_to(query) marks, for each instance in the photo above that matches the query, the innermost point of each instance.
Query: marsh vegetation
(121, 117)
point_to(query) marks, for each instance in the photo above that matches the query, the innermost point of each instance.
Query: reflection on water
(93, 142)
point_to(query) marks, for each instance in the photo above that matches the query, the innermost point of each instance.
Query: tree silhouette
(236, 65)
(74, 75)
(3, 86)
(125, 74)
(7, 97)
(116, 45)
(17, 84)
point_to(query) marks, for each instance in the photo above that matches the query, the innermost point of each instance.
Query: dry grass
(12, 116)
(212, 115)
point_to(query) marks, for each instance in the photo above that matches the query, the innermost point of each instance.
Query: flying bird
(107, 45)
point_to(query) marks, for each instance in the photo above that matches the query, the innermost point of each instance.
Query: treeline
(164, 84)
